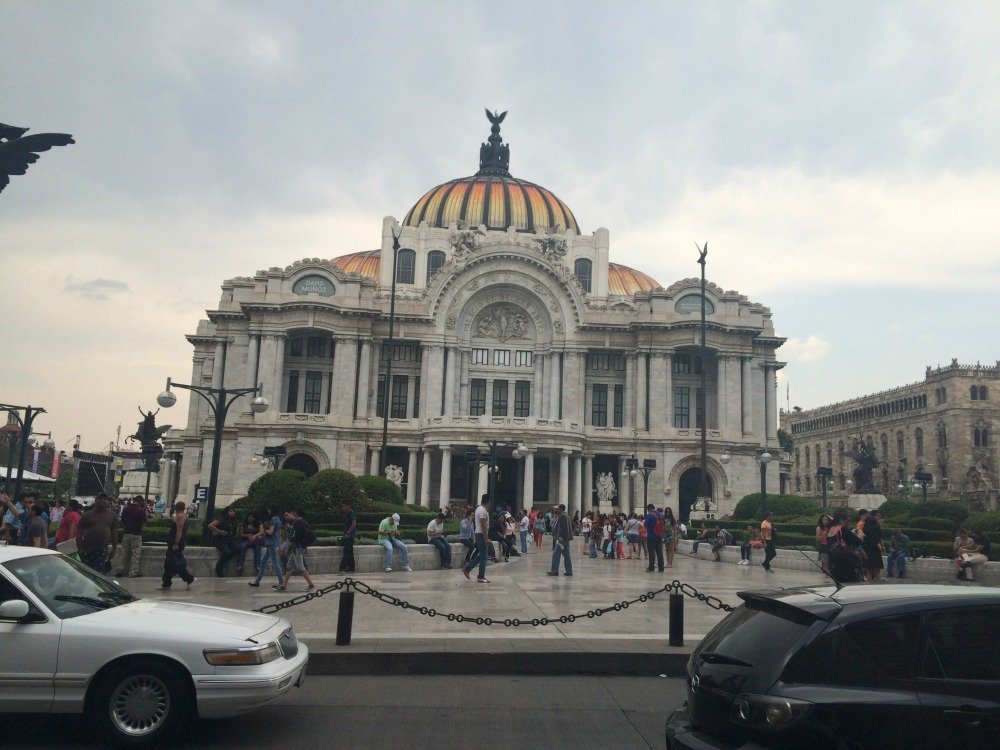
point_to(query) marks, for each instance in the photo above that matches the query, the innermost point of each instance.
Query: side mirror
(14, 609)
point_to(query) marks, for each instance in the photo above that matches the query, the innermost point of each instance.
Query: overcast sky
(841, 159)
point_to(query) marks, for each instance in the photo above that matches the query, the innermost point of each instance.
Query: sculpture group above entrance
(502, 322)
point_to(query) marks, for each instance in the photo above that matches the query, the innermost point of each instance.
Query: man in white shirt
(482, 521)
(525, 525)
(435, 535)
(585, 526)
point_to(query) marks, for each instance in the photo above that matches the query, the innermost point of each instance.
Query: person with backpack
(300, 537)
(670, 535)
(846, 555)
(655, 531)
(722, 540)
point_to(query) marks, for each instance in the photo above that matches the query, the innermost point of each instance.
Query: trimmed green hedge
(987, 521)
(935, 524)
(781, 505)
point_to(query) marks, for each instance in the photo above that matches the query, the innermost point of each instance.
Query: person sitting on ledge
(388, 537)
(702, 537)
(435, 535)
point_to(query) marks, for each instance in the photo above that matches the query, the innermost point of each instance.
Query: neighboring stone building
(945, 425)
(510, 325)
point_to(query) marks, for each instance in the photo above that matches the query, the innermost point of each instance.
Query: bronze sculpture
(867, 462)
(18, 151)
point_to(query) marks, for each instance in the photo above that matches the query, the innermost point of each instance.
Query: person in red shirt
(68, 524)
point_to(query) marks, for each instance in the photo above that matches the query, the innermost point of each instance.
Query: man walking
(347, 564)
(655, 530)
(388, 537)
(435, 535)
(767, 536)
(482, 526)
(175, 564)
(133, 519)
(96, 529)
(298, 543)
(272, 542)
(562, 535)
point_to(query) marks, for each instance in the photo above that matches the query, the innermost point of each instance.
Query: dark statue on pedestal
(867, 462)
(18, 151)
(148, 436)
(494, 158)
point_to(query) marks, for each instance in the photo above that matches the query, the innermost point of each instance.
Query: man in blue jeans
(654, 541)
(482, 521)
(435, 535)
(272, 541)
(899, 550)
(562, 535)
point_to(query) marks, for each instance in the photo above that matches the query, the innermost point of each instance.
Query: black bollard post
(676, 626)
(345, 618)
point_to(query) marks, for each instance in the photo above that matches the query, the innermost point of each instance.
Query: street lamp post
(763, 460)
(490, 458)
(387, 385)
(904, 479)
(24, 423)
(923, 478)
(824, 475)
(219, 400)
(703, 393)
(632, 469)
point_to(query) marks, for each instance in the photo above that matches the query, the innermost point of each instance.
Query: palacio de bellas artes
(510, 324)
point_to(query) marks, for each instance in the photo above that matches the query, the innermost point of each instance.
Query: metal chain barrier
(511, 622)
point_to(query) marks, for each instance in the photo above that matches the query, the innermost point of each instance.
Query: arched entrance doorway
(302, 462)
(689, 489)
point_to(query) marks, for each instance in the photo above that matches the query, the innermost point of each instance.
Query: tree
(381, 490)
(786, 441)
(285, 488)
(329, 487)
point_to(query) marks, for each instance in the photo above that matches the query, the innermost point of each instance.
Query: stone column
(657, 389)
(450, 378)
(364, 377)
(668, 404)
(345, 371)
(641, 392)
(528, 489)
(253, 351)
(770, 397)
(425, 478)
(489, 398)
(425, 378)
(444, 492)
(629, 415)
(564, 478)
(587, 500)
(279, 365)
(537, 388)
(375, 458)
(624, 488)
(554, 385)
(464, 386)
(721, 405)
(746, 393)
(411, 476)
(484, 481)
(574, 492)
(220, 353)
(734, 415)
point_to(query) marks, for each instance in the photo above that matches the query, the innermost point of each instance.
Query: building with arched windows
(945, 425)
(511, 324)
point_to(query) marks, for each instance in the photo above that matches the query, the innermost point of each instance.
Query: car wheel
(141, 701)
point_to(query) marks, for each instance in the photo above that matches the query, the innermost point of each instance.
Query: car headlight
(768, 712)
(244, 656)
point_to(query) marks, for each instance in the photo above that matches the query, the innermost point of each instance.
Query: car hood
(180, 620)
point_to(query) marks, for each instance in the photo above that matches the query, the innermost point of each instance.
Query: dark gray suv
(904, 666)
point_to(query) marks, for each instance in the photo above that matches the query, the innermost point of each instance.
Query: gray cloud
(96, 289)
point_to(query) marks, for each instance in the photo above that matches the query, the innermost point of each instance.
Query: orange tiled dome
(496, 201)
(622, 280)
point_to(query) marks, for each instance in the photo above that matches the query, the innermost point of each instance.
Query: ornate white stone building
(510, 325)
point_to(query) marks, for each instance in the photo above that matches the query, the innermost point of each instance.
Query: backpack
(659, 528)
(308, 537)
(727, 538)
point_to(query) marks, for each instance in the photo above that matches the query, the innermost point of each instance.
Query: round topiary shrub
(330, 487)
(781, 505)
(900, 509)
(986, 521)
(285, 488)
(381, 490)
(954, 512)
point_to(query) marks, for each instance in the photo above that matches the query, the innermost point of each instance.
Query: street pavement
(519, 589)
(547, 713)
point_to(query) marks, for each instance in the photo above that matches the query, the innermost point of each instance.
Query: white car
(73, 641)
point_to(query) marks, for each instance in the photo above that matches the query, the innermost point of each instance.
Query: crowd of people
(851, 550)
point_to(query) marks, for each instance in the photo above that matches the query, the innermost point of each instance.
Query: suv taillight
(768, 712)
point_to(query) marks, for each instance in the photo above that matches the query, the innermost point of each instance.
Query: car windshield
(739, 639)
(67, 587)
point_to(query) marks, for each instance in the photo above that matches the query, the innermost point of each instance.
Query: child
(620, 543)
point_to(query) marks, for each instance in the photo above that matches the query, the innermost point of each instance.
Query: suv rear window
(880, 652)
(747, 632)
(964, 644)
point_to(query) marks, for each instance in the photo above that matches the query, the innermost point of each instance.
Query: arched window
(900, 446)
(808, 484)
(981, 437)
(808, 454)
(918, 438)
(584, 270)
(840, 456)
(406, 265)
(435, 259)
(797, 456)
(982, 393)
(817, 456)
(884, 439)
(829, 455)
(798, 484)
(942, 436)
(974, 393)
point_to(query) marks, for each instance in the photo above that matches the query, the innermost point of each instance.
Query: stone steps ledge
(925, 569)
(369, 558)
